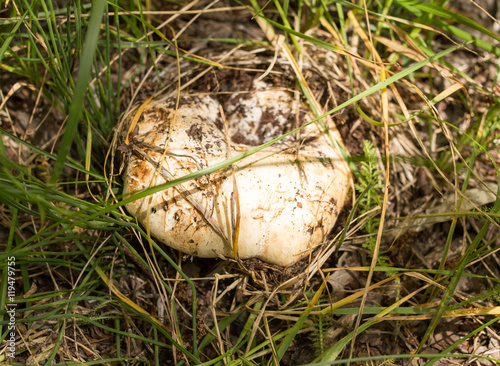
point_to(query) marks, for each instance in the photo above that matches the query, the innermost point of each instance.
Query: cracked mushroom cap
(288, 195)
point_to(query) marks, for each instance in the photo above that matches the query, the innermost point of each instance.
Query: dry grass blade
(126, 300)
(235, 198)
(385, 118)
(447, 314)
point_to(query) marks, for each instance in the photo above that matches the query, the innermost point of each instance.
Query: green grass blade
(298, 326)
(458, 271)
(464, 339)
(12, 32)
(82, 82)
(447, 14)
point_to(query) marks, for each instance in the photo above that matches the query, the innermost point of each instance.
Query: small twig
(170, 153)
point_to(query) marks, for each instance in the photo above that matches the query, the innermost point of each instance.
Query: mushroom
(282, 201)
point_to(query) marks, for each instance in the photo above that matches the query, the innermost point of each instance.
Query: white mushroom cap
(289, 198)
